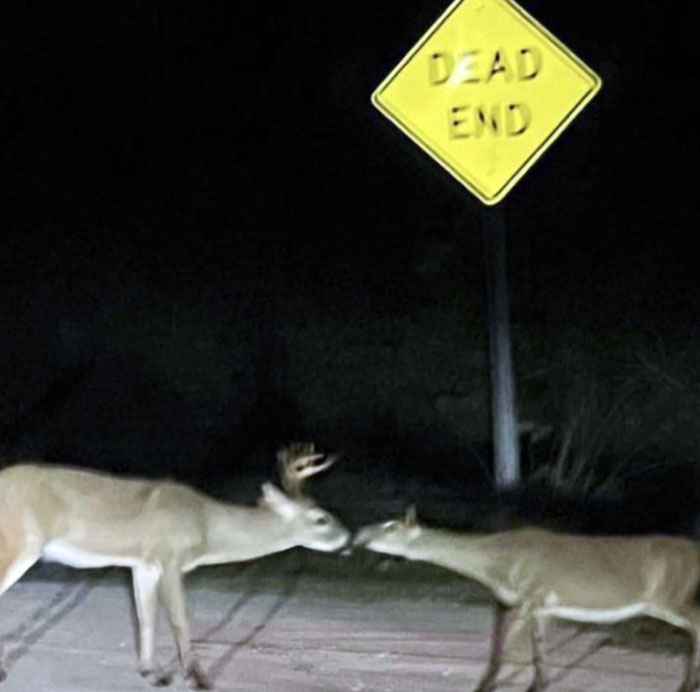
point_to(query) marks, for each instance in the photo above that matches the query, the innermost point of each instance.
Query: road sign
(485, 92)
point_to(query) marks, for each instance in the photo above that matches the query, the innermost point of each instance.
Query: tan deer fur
(536, 574)
(159, 529)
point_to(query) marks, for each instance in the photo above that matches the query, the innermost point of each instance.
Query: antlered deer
(535, 574)
(159, 529)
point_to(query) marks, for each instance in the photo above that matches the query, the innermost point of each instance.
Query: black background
(219, 165)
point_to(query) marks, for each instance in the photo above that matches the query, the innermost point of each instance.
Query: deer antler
(297, 462)
(410, 519)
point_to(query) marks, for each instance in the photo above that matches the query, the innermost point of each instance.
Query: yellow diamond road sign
(485, 92)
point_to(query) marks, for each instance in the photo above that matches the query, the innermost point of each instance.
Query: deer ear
(410, 519)
(276, 500)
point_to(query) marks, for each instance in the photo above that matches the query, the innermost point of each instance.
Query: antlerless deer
(160, 529)
(535, 574)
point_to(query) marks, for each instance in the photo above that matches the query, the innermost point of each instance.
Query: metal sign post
(506, 452)
(485, 92)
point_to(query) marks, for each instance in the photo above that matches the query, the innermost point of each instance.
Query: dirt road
(302, 622)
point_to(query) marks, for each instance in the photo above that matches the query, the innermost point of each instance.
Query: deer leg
(174, 598)
(145, 578)
(13, 564)
(690, 678)
(686, 618)
(537, 633)
(691, 624)
(503, 622)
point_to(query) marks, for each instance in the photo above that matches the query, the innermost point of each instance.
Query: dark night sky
(223, 158)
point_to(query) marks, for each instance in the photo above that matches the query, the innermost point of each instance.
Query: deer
(535, 574)
(160, 529)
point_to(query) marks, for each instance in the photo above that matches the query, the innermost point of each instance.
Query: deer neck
(472, 556)
(236, 534)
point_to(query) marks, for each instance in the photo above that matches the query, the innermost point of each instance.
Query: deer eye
(321, 520)
(390, 527)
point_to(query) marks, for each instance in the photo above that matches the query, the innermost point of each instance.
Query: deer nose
(361, 538)
(343, 543)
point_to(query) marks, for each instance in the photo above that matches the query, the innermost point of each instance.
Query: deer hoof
(489, 687)
(536, 687)
(158, 678)
(199, 678)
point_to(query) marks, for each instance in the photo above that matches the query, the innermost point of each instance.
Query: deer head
(390, 537)
(311, 526)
